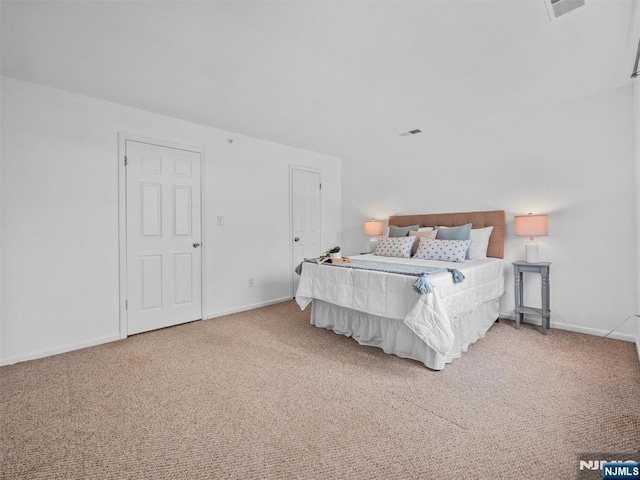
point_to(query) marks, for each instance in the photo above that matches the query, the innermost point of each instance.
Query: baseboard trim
(58, 350)
(246, 308)
(112, 338)
(627, 337)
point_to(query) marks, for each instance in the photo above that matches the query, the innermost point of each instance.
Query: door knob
(196, 245)
(296, 239)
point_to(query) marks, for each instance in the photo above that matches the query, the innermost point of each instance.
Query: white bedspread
(391, 295)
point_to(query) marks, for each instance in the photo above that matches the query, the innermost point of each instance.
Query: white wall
(1, 222)
(636, 111)
(60, 199)
(573, 161)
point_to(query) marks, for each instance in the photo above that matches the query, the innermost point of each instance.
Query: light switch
(221, 221)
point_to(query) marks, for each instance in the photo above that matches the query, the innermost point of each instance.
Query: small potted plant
(334, 253)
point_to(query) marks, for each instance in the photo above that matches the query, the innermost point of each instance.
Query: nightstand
(519, 269)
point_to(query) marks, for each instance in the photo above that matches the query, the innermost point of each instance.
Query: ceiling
(329, 76)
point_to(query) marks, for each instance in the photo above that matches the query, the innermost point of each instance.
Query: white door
(305, 213)
(163, 236)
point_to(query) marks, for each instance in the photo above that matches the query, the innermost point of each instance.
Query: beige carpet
(263, 394)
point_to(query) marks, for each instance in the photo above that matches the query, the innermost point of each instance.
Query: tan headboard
(478, 220)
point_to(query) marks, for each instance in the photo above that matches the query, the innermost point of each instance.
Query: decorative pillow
(454, 233)
(402, 231)
(395, 247)
(426, 229)
(445, 250)
(428, 234)
(479, 243)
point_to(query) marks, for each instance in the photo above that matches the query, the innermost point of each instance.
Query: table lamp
(531, 226)
(373, 229)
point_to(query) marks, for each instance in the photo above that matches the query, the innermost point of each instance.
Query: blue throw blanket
(419, 271)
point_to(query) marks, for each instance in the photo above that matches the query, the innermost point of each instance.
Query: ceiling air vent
(556, 8)
(410, 132)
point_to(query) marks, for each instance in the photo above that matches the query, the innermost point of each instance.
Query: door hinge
(125, 161)
(126, 304)
(320, 186)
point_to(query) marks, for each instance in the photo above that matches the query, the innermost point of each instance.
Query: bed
(383, 309)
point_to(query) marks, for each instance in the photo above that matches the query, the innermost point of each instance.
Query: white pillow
(395, 247)
(445, 250)
(479, 242)
(425, 229)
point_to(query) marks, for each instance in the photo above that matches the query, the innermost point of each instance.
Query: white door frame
(293, 167)
(122, 218)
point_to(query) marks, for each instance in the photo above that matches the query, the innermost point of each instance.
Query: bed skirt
(393, 336)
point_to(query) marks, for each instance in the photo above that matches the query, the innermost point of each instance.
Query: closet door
(305, 217)
(163, 236)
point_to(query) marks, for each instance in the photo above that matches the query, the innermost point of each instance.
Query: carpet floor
(264, 394)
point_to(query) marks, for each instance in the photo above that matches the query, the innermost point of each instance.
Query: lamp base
(373, 244)
(531, 252)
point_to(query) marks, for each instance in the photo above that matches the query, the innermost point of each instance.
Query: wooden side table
(519, 268)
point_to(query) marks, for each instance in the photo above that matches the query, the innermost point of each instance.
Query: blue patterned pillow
(454, 233)
(395, 247)
(445, 250)
(402, 231)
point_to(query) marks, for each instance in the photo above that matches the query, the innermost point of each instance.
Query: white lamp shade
(531, 225)
(373, 228)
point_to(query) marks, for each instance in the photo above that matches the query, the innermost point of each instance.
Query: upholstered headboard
(495, 218)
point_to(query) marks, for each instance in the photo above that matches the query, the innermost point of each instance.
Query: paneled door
(163, 236)
(305, 217)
